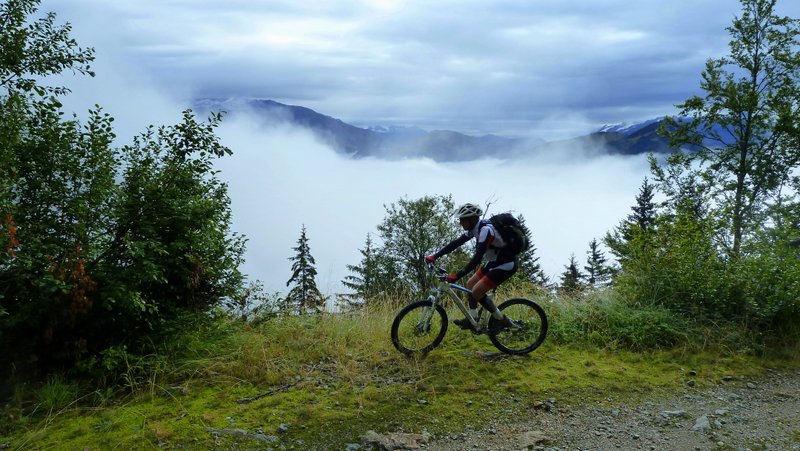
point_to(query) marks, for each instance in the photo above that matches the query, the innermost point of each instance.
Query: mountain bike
(420, 326)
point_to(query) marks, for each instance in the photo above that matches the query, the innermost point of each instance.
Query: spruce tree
(571, 278)
(640, 222)
(529, 267)
(374, 276)
(305, 296)
(644, 212)
(597, 271)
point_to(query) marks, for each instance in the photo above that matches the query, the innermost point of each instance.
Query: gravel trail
(736, 414)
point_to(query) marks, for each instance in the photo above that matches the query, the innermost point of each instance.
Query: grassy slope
(326, 380)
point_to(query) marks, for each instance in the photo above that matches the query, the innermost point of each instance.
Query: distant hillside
(439, 145)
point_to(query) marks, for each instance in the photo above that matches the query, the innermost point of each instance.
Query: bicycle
(421, 326)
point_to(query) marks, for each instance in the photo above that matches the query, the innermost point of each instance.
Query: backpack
(513, 231)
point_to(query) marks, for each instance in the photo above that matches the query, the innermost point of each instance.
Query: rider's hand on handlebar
(430, 259)
(450, 278)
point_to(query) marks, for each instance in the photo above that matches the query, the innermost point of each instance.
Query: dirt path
(737, 414)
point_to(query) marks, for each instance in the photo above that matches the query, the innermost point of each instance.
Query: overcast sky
(548, 69)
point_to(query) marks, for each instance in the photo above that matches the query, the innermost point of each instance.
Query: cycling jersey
(489, 246)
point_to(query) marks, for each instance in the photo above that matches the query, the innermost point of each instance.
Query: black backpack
(513, 231)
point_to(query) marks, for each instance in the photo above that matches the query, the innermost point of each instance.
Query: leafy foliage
(413, 229)
(717, 250)
(100, 245)
(745, 128)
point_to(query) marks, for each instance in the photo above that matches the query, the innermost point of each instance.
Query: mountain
(633, 139)
(439, 145)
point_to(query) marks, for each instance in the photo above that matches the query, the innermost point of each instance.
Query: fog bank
(283, 178)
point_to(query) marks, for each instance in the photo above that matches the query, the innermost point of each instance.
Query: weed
(56, 394)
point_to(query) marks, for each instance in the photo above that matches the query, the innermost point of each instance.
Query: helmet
(468, 210)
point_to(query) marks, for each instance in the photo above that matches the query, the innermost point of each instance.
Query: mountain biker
(498, 268)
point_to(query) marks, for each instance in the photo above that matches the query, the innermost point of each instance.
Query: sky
(524, 68)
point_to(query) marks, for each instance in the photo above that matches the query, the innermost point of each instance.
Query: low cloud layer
(281, 179)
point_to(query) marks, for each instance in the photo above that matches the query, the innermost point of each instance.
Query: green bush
(100, 246)
(604, 319)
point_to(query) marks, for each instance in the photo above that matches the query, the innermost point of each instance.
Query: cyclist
(498, 268)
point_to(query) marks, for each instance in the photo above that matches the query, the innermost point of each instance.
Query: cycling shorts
(494, 273)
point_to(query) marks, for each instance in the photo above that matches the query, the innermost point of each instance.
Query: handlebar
(438, 272)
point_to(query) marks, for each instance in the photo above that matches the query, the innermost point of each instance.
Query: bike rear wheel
(529, 327)
(419, 327)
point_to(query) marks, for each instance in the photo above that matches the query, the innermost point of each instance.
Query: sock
(473, 313)
(473, 303)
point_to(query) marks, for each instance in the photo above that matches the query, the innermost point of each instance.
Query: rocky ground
(736, 414)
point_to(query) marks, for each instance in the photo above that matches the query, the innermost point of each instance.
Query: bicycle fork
(424, 323)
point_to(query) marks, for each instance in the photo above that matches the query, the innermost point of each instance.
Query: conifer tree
(530, 269)
(304, 295)
(597, 271)
(644, 212)
(375, 275)
(641, 221)
(571, 278)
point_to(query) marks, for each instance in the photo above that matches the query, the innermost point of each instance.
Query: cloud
(281, 179)
(471, 66)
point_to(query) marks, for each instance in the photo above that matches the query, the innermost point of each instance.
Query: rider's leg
(471, 299)
(492, 274)
(479, 291)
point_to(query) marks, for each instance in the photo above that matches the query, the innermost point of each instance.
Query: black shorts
(494, 273)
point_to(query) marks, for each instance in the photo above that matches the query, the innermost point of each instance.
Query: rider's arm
(453, 245)
(480, 249)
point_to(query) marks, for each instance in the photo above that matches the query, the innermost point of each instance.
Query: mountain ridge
(397, 142)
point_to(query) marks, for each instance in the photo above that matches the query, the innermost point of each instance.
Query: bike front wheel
(419, 327)
(528, 329)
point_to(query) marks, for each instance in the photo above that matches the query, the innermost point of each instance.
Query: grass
(320, 382)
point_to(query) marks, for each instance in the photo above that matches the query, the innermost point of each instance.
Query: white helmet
(468, 211)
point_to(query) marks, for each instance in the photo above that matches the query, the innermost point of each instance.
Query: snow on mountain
(627, 128)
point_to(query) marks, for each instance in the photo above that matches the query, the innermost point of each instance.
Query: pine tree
(305, 295)
(529, 267)
(375, 275)
(597, 271)
(641, 221)
(571, 278)
(644, 212)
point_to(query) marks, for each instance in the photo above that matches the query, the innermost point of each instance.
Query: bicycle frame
(421, 326)
(451, 289)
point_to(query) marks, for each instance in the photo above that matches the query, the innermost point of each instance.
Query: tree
(529, 268)
(597, 271)
(374, 276)
(644, 212)
(571, 278)
(31, 50)
(103, 246)
(745, 128)
(641, 221)
(413, 229)
(304, 294)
